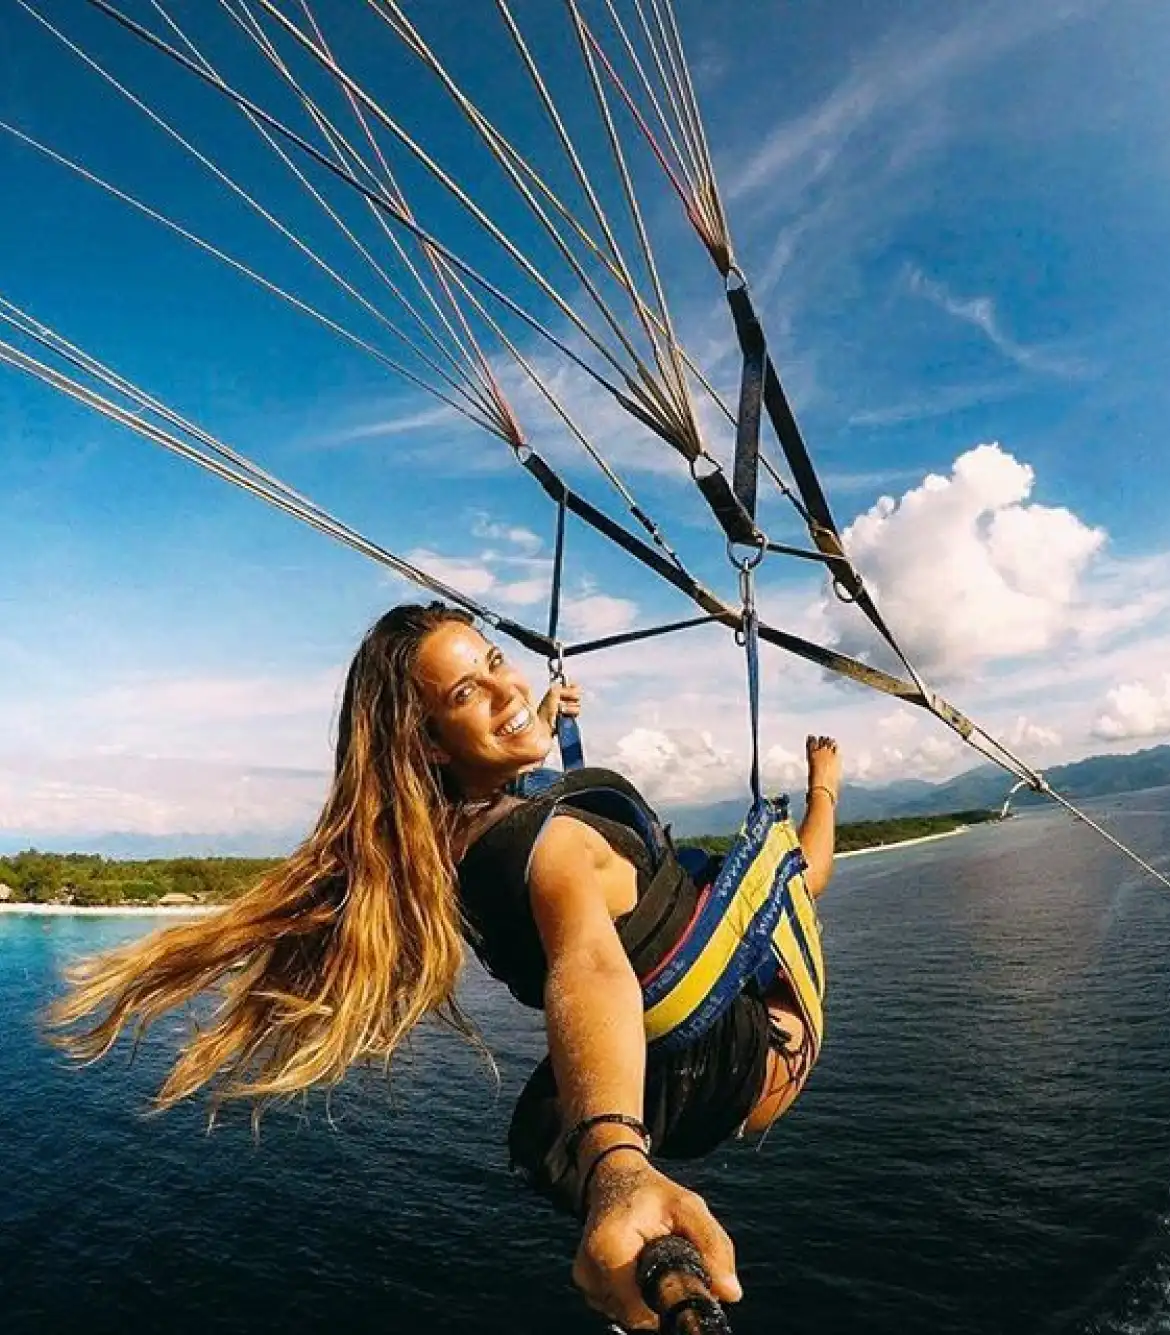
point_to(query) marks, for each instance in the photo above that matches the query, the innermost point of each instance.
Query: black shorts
(694, 1100)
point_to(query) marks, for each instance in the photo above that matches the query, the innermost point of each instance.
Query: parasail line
(710, 181)
(516, 168)
(472, 349)
(670, 86)
(247, 272)
(389, 206)
(651, 322)
(340, 146)
(685, 167)
(445, 179)
(692, 202)
(315, 518)
(640, 515)
(238, 190)
(692, 443)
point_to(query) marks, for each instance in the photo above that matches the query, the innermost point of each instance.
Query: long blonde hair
(336, 954)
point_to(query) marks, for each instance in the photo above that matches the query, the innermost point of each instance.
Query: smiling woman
(574, 897)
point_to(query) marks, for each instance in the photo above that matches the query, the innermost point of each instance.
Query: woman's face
(482, 717)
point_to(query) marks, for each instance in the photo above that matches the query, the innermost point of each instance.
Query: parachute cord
(467, 368)
(246, 271)
(514, 165)
(238, 190)
(461, 195)
(669, 363)
(344, 151)
(390, 206)
(281, 498)
(653, 322)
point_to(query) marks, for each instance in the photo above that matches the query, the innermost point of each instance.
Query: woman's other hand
(630, 1204)
(562, 697)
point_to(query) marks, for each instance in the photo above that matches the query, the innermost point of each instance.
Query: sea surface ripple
(985, 1146)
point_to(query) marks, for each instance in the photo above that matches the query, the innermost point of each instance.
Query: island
(88, 881)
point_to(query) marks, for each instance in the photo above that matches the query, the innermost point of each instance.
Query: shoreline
(903, 843)
(112, 910)
(203, 910)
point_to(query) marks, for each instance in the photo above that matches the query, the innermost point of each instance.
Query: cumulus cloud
(933, 756)
(1026, 736)
(1135, 709)
(675, 765)
(968, 570)
(597, 614)
(480, 578)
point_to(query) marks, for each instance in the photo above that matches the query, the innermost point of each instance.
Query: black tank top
(493, 885)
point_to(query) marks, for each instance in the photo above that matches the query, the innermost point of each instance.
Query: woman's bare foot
(824, 764)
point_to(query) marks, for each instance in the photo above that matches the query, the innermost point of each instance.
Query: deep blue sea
(985, 1146)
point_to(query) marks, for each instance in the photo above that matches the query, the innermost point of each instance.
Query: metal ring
(747, 562)
(843, 594)
(693, 464)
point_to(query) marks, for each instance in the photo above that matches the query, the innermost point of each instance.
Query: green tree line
(853, 835)
(86, 879)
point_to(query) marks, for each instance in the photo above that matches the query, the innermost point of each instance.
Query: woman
(341, 950)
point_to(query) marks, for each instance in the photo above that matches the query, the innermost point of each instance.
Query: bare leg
(789, 1063)
(817, 830)
(791, 1058)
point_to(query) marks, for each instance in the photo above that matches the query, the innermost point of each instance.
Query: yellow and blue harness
(746, 920)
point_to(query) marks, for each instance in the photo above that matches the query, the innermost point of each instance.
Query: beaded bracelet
(587, 1180)
(820, 787)
(581, 1130)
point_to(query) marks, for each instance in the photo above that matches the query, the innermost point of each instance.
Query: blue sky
(954, 222)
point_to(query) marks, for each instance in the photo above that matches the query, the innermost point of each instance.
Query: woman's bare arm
(593, 1008)
(593, 1003)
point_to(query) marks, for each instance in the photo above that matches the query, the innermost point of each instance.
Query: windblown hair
(335, 955)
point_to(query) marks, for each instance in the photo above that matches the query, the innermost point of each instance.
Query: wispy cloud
(981, 314)
(937, 403)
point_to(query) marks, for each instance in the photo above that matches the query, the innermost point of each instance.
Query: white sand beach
(904, 843)
(112, 911)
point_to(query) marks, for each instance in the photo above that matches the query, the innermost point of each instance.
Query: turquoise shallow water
(985, 1146)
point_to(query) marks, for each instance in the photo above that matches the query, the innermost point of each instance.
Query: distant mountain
(984, 786)
(133, 847)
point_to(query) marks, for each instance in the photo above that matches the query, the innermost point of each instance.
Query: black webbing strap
(568, 729)
(632, 636)
(554, 600)
(746, 473)
(818, 516)
(597, 519)
(725, 505)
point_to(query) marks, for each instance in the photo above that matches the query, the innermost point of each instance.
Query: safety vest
(752, 923)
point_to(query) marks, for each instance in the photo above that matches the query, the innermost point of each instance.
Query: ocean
(984, 1147)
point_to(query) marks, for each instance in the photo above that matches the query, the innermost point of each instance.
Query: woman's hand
(562, 697)
(631, 1204)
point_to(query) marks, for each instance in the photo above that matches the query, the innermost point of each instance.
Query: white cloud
(966, 571)
(475, 578)
(1135, 709)
(598, 614)
(153, 796)
(674, 766)
(981, 314)
(1028, 738)
(932, 756)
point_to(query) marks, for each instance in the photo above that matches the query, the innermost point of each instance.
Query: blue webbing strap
(750, 634)
(568, 731)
